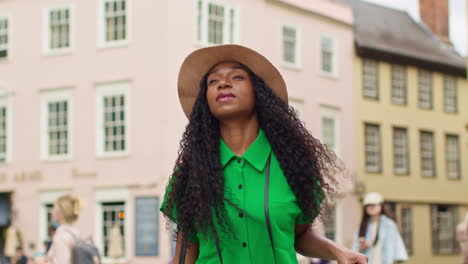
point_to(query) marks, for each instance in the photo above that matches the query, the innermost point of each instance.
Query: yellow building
(411, 97)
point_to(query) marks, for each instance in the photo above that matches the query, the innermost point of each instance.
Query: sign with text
(146, 229)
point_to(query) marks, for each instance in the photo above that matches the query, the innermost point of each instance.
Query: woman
(249, 179)
(65, 212)
(378, 235)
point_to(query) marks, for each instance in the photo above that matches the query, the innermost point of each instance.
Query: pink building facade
(88, 104)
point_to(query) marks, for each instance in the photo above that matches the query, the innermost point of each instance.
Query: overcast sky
(457, 18)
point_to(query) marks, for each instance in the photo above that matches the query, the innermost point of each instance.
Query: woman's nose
(223, 83)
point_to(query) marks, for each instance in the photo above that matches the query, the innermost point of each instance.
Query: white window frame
(334, 60)
(6, 100)
(203, 40)
(298, 48)
(334, 114)
(101, 27)
(52, 95)
(110, 89)
(9, 46)
(46, 50)
(45, 198)
(109, 195)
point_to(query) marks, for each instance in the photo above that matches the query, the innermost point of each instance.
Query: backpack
(84, 252)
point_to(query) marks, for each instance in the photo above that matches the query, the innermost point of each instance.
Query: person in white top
(378, 236)
(65, 212)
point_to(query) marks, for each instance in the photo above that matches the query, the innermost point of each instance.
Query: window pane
(400, 151)
(59, 28)
(3, 37)
(329, 133)
(114, 123)
(327, 54)
(115, 20)
(398, 84)
(289, 44)
(3, 133)
(370, 79)
(444, 220)
(373, 148)
(425, 89)
(58, 128)
(215, 23)
(450, 95)
(113, 220)
(427, 154)
(452, 154)
(407, 229)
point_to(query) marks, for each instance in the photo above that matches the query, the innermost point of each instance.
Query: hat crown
(373, 198)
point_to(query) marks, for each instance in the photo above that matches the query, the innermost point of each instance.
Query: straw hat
(373, 198)
(200, 61)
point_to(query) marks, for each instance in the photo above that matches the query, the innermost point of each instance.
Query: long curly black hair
(195, 199)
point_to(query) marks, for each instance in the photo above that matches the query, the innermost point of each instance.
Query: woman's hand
(346, 256)
(363, 245)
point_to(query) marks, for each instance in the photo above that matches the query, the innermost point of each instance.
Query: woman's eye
(212, 81)
(239, 77)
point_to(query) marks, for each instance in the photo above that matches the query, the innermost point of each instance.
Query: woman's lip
(223, 97)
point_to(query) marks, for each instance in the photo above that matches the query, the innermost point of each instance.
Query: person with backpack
(65, 212)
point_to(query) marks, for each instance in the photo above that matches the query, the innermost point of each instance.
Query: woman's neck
(239, 134)
(375, 218)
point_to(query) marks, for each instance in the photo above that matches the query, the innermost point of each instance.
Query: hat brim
(200, 61)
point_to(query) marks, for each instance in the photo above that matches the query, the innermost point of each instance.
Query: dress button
(241, 215)
(244, 244)
(239, 161)
(240, 186)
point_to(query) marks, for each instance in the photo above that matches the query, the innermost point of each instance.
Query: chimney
(434, 13)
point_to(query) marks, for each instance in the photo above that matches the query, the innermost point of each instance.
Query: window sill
(114, 44)
(329, 75)
(373, 171)
(291, 66)
(401, 174)
(113, 155)
(371, 99)
(58, 52)
(5, 60)
(54, 159)
(107, 260)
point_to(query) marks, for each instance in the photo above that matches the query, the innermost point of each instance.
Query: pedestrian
(250, 179)
(378, 236)
(462, 237)
(20, 256)
(65, 213)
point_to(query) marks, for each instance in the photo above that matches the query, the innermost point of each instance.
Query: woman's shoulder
(67, 233)
(388, 222)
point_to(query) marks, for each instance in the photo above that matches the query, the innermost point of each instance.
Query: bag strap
(183, 250)
(267, 212)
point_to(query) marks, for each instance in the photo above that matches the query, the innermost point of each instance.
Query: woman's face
(230, 93)
(57, 215)
(374, 209)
